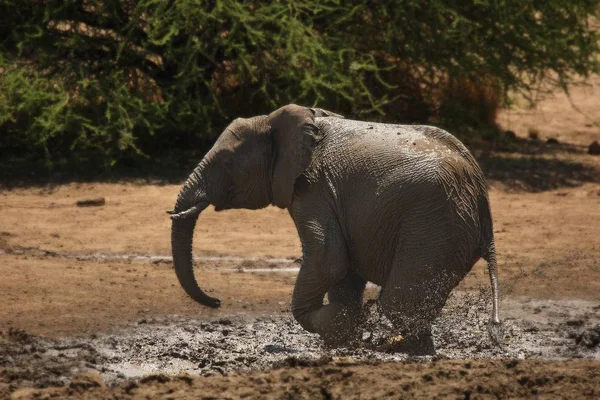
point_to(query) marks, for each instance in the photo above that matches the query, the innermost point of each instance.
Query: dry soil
(90, 306)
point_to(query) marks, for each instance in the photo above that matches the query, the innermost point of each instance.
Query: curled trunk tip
(182, 232)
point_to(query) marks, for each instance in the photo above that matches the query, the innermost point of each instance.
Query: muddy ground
(90, 306)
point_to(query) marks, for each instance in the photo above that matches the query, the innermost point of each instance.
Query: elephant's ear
(295, 135)
(319, 112)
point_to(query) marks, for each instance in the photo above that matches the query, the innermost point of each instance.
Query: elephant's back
(384, 152)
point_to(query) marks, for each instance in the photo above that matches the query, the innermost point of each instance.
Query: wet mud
(548, 330)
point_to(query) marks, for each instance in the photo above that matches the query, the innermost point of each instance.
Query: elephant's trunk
(191, 201)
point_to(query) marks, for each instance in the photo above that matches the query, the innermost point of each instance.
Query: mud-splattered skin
(404, 207)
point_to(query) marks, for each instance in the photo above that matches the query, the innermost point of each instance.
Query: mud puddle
(172, 345)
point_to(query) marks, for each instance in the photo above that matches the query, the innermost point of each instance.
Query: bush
(99, 85)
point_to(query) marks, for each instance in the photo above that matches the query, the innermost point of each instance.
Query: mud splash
(172, 345)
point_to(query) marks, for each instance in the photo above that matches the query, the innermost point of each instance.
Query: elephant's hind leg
(415, 293)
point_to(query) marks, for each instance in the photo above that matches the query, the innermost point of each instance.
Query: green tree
(108, 83)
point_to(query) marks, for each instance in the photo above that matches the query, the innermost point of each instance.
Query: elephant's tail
(495, 329)
(490, 257)
(489, 254)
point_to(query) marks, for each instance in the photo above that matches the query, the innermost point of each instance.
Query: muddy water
(245, 343)
(171, 345)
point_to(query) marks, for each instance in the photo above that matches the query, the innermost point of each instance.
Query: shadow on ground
(537, 174)
(520, 164)
(537, 166)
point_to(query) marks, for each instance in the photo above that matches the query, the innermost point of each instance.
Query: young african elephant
(405, 207)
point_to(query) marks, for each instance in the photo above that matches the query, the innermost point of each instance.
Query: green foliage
(102, 84)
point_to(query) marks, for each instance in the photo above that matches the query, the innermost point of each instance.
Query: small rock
(594, 148)
(510, 135)
(275, 348)
(97, 202)
(552, 141)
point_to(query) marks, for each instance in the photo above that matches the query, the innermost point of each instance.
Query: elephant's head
(254, 163)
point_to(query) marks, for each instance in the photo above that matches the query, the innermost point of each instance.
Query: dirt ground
(90, 306)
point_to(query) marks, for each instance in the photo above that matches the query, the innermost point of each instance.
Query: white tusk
(190, 211)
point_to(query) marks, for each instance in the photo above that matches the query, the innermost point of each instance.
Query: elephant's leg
(415, 293)
(406, 303)
(334, 322)
(348, 291)
(349, 294)
(324, 268)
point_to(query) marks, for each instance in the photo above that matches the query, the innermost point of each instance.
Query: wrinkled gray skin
(404, 207)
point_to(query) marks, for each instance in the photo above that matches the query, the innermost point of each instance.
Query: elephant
(402, 206)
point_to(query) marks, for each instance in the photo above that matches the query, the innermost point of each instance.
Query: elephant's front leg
(324, 269)
(349, 294)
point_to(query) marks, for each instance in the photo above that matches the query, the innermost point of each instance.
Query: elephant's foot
(337, 325)
(415, 345)
(350, 339)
